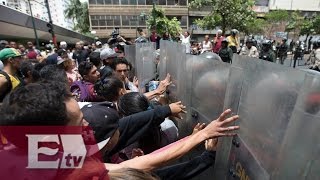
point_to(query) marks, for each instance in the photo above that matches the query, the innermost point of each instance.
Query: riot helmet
(266, 45)
(316, 44)
(234, 32)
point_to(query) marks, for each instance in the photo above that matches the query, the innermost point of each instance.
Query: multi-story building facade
(127, 15)
(39, 10)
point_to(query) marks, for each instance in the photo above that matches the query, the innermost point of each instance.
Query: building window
(100, 1)
(141, 2)
(117, 21)
(170, 2)
(115, 1)
(184, 20)
(162, 2)
(149, 2)
(94, 22)
(133, 2)
(182, 2)
(107, 1)
(102, 22)
(124, 2)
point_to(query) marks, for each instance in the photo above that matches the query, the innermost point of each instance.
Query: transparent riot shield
(209, 84)
(300, 152)
(130, 55)
(145, 64)
(264, 95)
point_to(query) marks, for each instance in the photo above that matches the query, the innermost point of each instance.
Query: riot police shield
(300, 152)
(130, 55)
(264, 95)
(145, 64)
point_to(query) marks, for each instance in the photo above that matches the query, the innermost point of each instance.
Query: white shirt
(206, 46)
(186, 41)
(252, 52)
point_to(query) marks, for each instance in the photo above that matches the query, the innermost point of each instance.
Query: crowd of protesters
(135, 132)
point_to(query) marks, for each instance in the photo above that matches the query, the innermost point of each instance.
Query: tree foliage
(162, 23)
(276, 19)
(255, 26)
(227, 14)
(79, 13)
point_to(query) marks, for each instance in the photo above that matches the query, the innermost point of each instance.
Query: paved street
(300, 63)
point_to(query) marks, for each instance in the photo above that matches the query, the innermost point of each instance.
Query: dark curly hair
(85, 67)
(108, 88)
(119, 61)
(36, 104)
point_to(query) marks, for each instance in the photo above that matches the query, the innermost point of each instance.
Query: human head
(234, 32)
(99, 44)
(132, 102)
(30, 45)
(219, 33)
(67, 64)
(249, 43)
(266, 45)
(13, 45)
(78, 46)
(186, 34)
(121, 68)
(206, 37)
(53, 73)
(140, 31)
(63, 45)
(89, 72)
(11, 58)
(103, 118)
(224, 43)
(4, 44)
(107, 55)
(29, 71)
(94, 57)
(316, 44)
(21, 48)
(109, 88)
(40, 104)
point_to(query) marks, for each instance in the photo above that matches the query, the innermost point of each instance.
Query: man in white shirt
(249, 49)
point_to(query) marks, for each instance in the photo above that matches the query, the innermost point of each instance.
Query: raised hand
(219, 127)
(177, 108)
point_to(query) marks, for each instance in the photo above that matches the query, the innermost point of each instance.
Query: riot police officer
(314, 60)
(225, 52)
(267, 53)
(283, 50)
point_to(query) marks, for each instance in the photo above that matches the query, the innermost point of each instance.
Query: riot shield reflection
(145, 64)
(268, 95)
(130, 55)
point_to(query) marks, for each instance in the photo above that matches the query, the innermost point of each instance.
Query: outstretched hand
(177, 108)
(220, 127)
(163, 85)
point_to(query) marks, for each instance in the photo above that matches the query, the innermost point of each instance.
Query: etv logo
(73, 151)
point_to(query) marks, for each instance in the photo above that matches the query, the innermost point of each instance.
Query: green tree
(255, 26)
(79, 13)
(227, 14)
(162, 23)
(295, 23)
(276, 19)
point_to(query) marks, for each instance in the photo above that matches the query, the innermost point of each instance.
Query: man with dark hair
(31, 52)
(121, 70)
(80, 54)
(13, 45)
(11, 59)
(84, 89)
(54, 73)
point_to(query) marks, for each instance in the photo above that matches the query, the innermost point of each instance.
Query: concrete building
(292, 5)
(105, 15)
(39, 10)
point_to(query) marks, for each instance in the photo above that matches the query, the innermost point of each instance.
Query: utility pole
(50, 24)
(34, 26)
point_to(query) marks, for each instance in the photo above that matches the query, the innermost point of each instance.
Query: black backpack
(9, 85)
